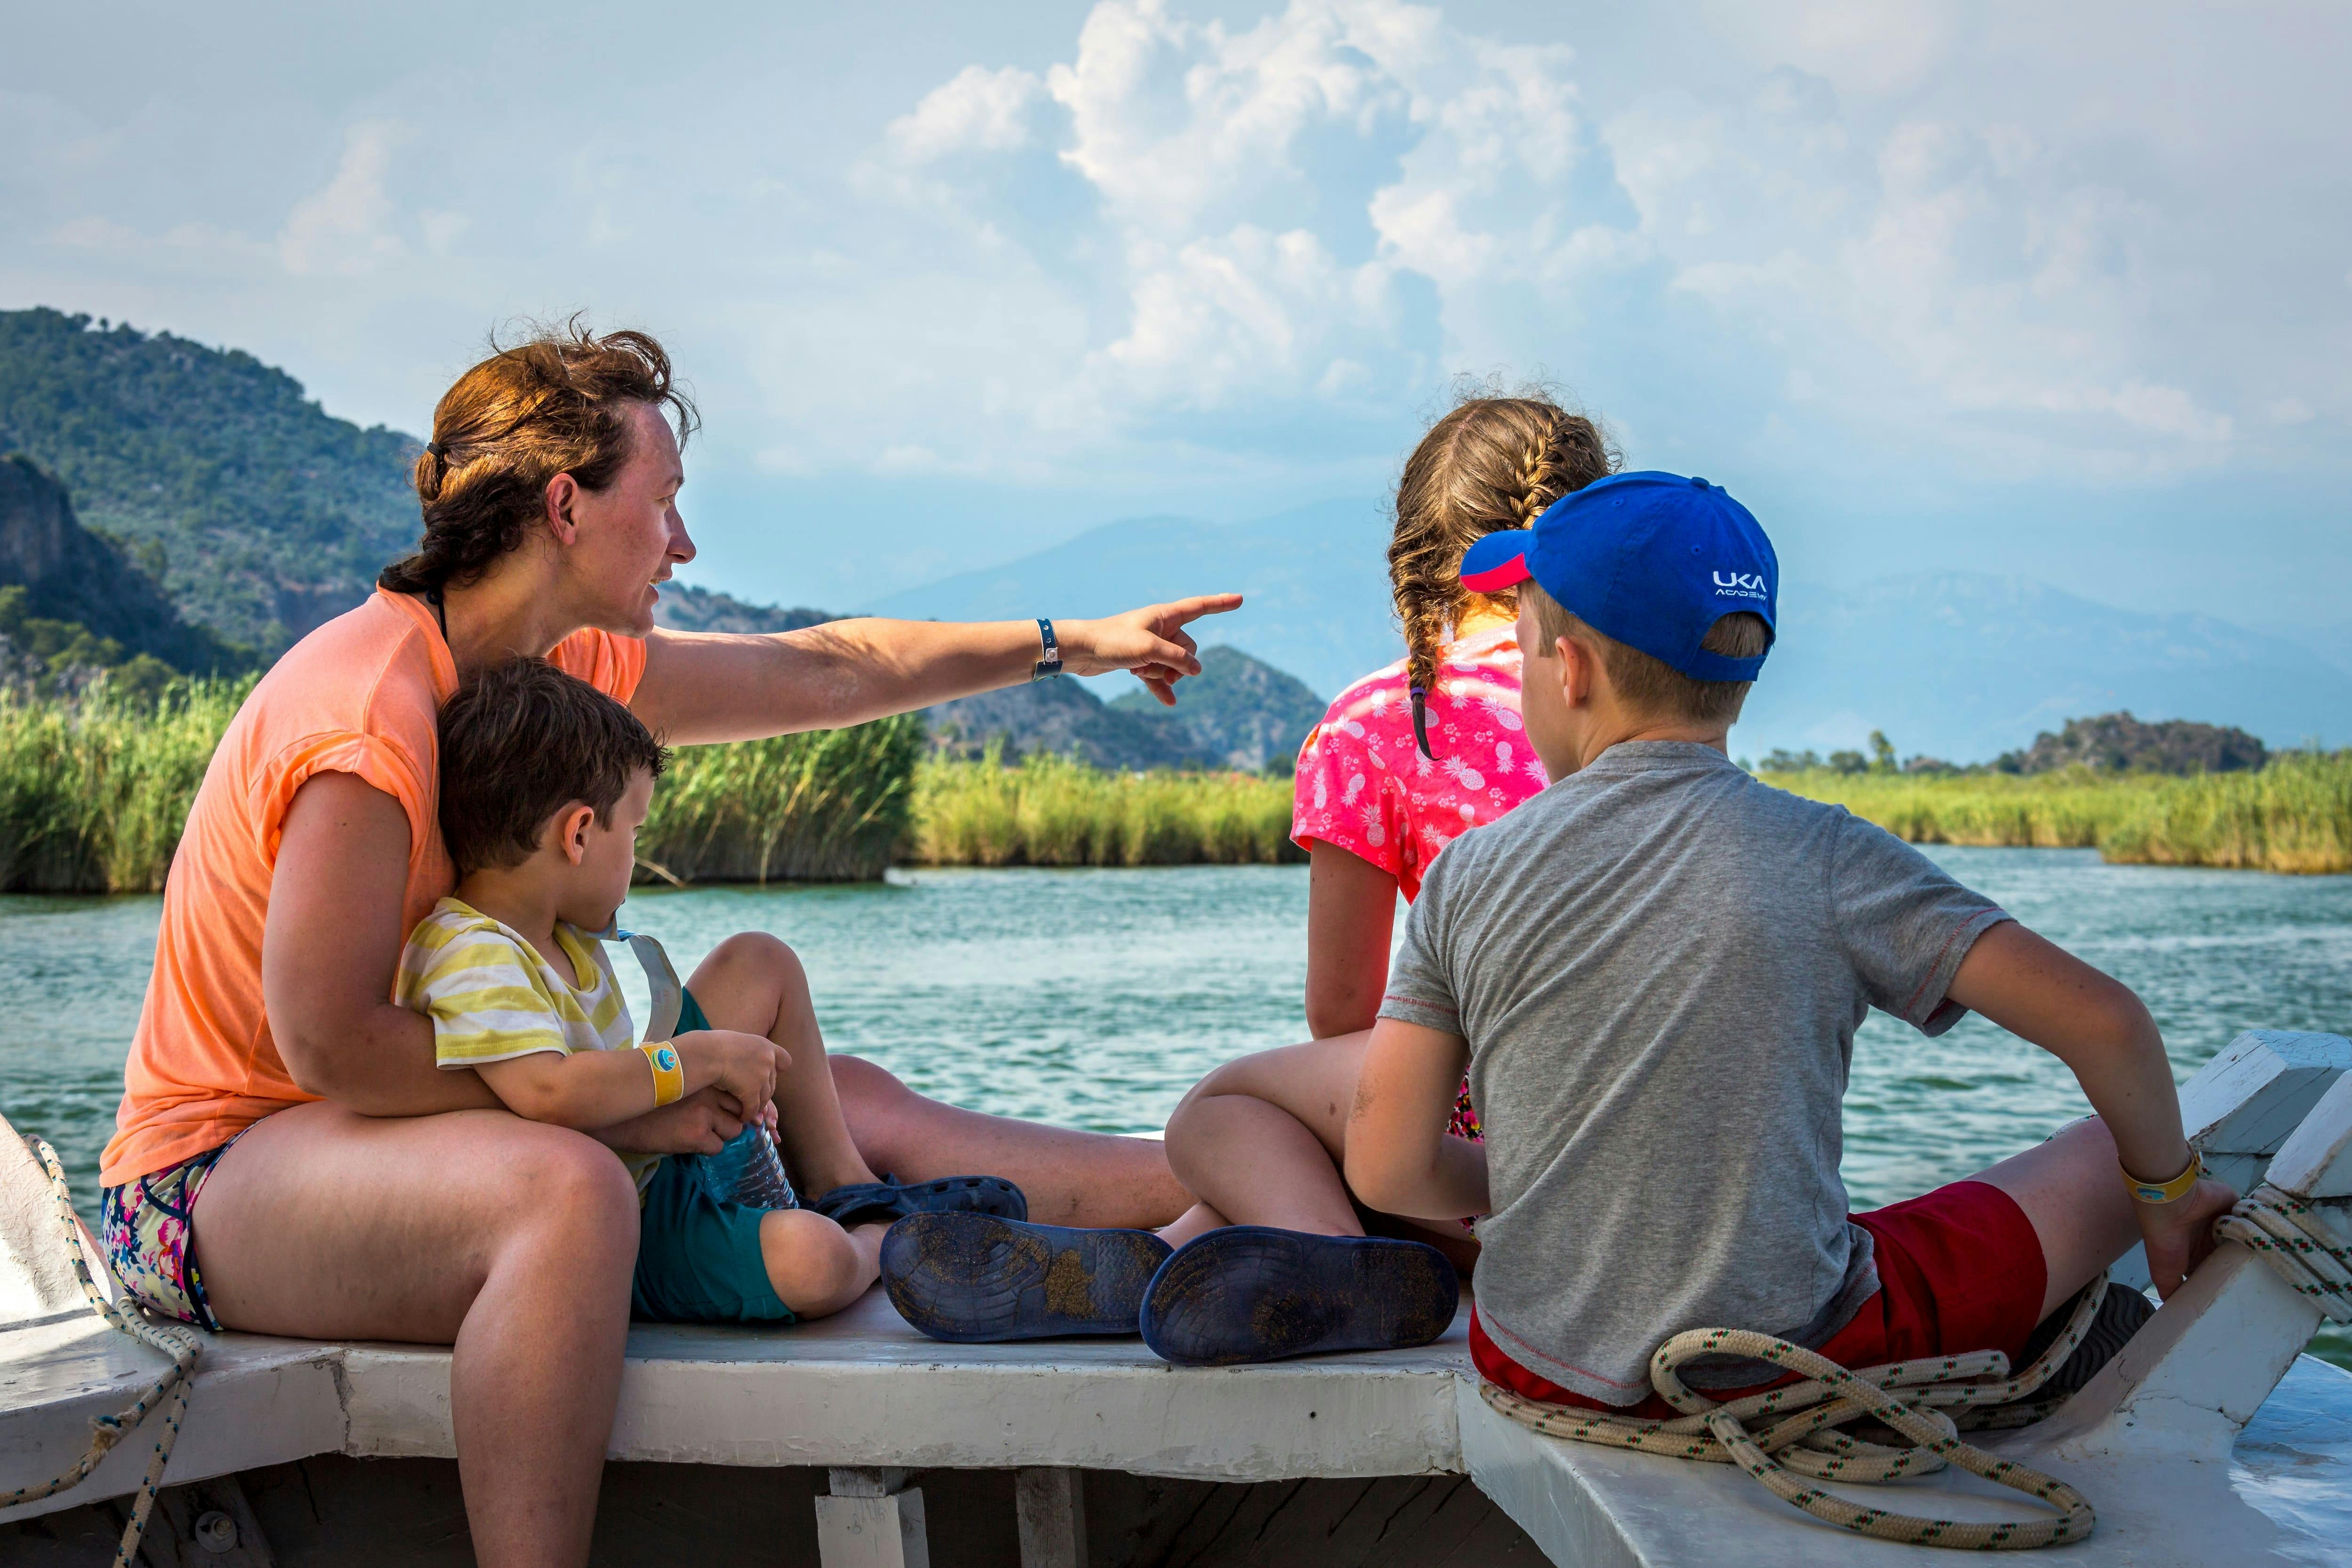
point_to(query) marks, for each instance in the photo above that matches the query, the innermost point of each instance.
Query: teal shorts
(699, 1257)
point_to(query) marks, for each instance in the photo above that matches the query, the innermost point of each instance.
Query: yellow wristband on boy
(669, 1073)
(2171, 1191)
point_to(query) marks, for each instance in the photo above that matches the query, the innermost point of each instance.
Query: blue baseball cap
(1651, 560)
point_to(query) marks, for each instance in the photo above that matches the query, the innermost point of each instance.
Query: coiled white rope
(2283, 1232)
(174, 1381)
(2279, 1227)
(1804, 1440)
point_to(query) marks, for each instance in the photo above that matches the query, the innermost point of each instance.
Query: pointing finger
(1192, 609)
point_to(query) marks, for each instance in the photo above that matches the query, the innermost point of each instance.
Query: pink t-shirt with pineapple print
(1363, 787)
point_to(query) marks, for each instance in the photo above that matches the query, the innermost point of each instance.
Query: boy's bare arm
(592, 1089)
(1400, 1159)
(2097, 1027)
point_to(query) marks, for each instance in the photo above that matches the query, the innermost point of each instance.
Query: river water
(1096, 998)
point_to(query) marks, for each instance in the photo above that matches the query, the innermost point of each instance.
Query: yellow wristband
(669, 1073)
(2168, 1191)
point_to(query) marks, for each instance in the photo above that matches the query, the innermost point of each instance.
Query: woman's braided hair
(1493, 463)
(557, 402)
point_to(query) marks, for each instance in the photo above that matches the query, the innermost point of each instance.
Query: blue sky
(2064, 292)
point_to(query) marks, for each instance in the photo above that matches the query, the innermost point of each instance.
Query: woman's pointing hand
(1151, 641)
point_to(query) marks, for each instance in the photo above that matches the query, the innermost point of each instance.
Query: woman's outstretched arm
(701, 687)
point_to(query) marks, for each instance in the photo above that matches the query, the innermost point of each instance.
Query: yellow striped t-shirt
(492, 996)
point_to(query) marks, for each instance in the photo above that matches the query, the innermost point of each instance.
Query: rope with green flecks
(172, 1383)
(2283, 1231)
(1803, 1439)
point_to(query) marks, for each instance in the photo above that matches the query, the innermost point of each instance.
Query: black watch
(1050, 664)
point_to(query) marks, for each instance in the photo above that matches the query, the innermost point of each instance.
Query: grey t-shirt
(1659, 964)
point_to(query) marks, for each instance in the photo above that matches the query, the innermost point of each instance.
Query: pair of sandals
(1244, 1294)
(890, 1200)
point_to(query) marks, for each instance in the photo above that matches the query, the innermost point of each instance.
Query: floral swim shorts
(142, 1226)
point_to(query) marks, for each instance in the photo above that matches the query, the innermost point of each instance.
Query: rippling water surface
(1096, 998)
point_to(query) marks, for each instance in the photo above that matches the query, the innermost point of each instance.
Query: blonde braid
(1491, 463)
(1533, 471)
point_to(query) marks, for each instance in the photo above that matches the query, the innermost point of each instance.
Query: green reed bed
(827, 806)
(93, 793)
(2073, 810)
(2295, 816)
(1052, 811)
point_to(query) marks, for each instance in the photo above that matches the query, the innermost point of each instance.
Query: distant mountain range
(261, 516)
(1958, 665)
(1965, 666)
(1316, 580)
(1237, 713)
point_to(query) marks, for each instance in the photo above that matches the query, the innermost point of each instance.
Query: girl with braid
(1406, 760)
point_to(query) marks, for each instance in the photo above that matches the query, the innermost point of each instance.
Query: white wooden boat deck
(859, 1389)
(2209, 1439)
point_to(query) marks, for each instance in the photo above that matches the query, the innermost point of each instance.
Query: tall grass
(828, 806)
(93, 794)
(1052, 811)
(2076, 809)
(2296, 815)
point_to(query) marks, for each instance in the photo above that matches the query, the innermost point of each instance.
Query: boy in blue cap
(1655, 971)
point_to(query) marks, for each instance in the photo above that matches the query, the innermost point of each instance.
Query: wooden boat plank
(863, 1389)
(2285, 1496)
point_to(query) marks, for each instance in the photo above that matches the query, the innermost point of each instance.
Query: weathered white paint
(863, 1388)
(885, 1532)
(37, 1276)
(1589, 1507)
(2316, 1160)
(1050, 1507)
(2151, 1441)
(2238, 1108)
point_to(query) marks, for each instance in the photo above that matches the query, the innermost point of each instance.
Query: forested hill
(262, 515)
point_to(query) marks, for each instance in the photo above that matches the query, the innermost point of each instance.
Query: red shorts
(1958, 1269)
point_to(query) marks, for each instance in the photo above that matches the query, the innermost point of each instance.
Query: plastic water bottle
(750, 1171)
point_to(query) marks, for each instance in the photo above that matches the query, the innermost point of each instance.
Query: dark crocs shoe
(1250, 1292)
(2121, 1313)
(968, 1278)
(891, 1198)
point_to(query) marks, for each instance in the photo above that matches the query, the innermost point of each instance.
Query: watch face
(666, 1058)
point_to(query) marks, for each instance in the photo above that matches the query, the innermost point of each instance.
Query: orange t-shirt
(359, 695)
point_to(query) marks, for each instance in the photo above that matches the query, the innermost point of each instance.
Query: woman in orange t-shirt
(282, 1117)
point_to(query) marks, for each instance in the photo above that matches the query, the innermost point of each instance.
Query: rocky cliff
(73, 577)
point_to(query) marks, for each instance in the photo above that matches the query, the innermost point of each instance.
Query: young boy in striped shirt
(544, 783)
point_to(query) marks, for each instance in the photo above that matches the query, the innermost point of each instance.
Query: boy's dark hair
(1652, 686)
(520, 741)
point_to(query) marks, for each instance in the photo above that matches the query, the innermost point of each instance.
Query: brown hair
(1651, 686)
(1493, 463)
(557, 402)
(520, 741)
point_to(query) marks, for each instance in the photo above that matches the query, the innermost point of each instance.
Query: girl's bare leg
(512, 1241)
(1262, 1139)
(1069, 1177)
(755, 984)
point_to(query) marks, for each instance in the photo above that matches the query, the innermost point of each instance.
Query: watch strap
(1049, 662)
